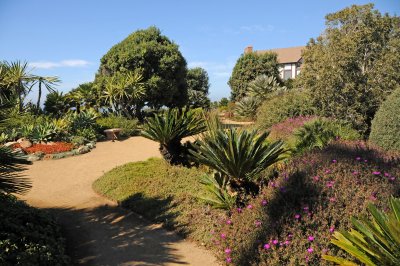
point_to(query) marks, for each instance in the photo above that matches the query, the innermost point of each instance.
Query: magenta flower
(275, 242)
(264, 202)
(239, 210)
(257, 223)
(358, 158)
(228, 260)
(223, 236)
(355, 173)
(267, 246)
(287, 242)
(376, 173)
(297, 216)
(310, 250)
(228, 251)
(311, 238)
(365, 161)
(373, 196)
(386, 174)
(334, 161)
(392, 178)
(305, 208)
(228, 221)
(316, 178)
(250, 206)
(330, 184)
(328, 171)
(290, 235)
(332, 229)
(332, 199)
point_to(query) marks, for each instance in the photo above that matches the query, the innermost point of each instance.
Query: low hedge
(29, 236)
(129, 126)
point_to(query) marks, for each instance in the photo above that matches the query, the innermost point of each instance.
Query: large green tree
(354, 64)
(247, 68)
(198, 85)
(157, 59)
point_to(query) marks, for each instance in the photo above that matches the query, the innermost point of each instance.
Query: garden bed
(53, 150)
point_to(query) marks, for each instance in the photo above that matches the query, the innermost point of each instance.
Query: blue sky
(68, 38)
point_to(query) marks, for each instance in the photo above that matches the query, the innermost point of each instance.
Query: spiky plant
(262, 87)
(11, 164)
(170, 128)
(373, 241)
(247, 107)
(238, 154)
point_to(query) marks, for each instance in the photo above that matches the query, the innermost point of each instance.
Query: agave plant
(170, 128)
(247, 107)
(373, 241)
(11, 163)
(239, 155)
(262, 87)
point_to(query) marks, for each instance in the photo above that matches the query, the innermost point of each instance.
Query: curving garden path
(99, 232)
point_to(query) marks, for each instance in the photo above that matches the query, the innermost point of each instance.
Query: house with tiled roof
(289, 59)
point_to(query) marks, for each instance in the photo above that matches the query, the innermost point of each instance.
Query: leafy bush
(83, 120)
(292, 220)
(129, 126)
(28, 236)
(263, 87)
(89, 134)
(278, 108)
(373, 241)
(385, 126)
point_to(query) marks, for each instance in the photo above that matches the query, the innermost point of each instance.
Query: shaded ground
(99, 232)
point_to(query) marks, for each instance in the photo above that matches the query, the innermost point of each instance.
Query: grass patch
(161, 193)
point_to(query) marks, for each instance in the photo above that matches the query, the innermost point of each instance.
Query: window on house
(287, 74)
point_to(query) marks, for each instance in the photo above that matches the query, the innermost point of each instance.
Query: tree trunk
(39, 96)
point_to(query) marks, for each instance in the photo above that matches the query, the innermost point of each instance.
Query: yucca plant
(373, 241)
(11, 164)
(170, 128)
(239, 155)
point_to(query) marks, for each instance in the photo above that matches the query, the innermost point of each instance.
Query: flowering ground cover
(289, 223)
(56, 147)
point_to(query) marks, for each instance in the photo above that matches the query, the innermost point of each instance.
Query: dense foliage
(278, 108)
(292, 220)
(29, 236)
(247, 68)
(385, 128)
(158, 61)
(198, 85)
(353, 65)
(129, 126)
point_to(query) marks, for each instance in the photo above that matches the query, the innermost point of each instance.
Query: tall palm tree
(48, 82)
(19, 80)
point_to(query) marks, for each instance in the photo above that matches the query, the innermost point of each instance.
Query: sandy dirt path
(99, 232)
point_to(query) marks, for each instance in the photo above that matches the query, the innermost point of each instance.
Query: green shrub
(28, 236)
(278, 108)
(312, 196)
(129, 126)
(247, 107)
(89, 134)
(385, 126)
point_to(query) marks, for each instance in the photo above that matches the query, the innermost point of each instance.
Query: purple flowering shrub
(292, 220)
(284, 130)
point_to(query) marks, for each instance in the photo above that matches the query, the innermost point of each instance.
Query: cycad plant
(170, 128)
(11, 164)
(262, 87)
(240, 155)
(247, 107)
(314, 134)
(373, 241)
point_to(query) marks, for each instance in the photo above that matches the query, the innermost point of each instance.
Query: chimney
(248, 50)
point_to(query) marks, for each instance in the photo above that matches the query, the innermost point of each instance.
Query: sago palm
(11, 164)
(170, 128)
(238, 154)
(374, 241)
